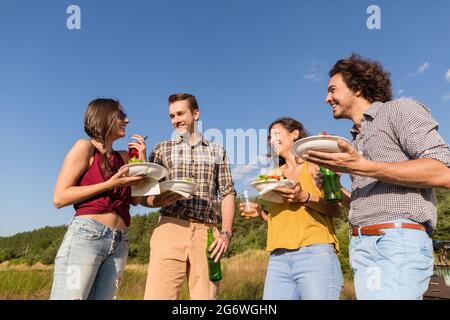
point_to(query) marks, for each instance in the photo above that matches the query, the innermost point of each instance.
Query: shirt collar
(354, 131)
(372, 111)
(180, 138)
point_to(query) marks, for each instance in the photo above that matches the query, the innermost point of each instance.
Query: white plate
(182, 187)
(146, 188)
(153, 170)
(272, 184)
(281, 184)
(267, 193)
(324, 143)
(261, 185)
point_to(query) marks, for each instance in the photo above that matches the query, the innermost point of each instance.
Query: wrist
(147, 201)
(259, 210)
(108, 185)
(306, 197)
(367, 168)
(227, 234)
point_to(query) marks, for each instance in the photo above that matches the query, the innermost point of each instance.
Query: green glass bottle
(215, 272)
(331, 186)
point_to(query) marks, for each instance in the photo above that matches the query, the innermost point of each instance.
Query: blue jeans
(90, 261)
(396, 265)
(311, 272)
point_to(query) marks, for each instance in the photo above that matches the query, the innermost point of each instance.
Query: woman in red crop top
(94, 251)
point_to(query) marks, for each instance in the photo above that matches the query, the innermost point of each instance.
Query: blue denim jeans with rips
(90, 261)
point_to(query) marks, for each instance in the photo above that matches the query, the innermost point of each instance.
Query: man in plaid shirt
(396, 159)
(178, 244)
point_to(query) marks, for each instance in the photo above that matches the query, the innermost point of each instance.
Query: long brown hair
(290, 124)
(99, 119)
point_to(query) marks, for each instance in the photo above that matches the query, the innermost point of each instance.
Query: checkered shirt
(207, 164)
(396, 131)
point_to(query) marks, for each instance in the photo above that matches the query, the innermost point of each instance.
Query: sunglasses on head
(122, 115)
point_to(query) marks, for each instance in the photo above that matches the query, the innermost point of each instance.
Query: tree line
(41, 245)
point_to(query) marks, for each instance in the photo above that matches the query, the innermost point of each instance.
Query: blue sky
(248, 62)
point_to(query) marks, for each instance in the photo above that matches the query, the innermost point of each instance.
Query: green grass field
(243, 279)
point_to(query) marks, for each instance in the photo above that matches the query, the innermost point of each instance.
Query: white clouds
(446, 97)
(314, 72)
(246, 173)
(240, 172)
(400, 93)
(420, 70)
(313, 75)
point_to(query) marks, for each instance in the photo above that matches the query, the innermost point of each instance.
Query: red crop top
(117, 199)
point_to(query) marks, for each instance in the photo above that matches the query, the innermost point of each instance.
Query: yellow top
(293, 225)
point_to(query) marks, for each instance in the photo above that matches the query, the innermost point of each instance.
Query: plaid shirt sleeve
(224, 179)
(156, 156)
(417, 132)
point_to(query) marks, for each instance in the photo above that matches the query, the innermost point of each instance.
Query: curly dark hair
(364, 75)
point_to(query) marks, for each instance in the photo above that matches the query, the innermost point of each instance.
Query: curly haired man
(396, 159)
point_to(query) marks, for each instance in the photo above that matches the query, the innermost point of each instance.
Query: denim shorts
(309, 273)
(89, 262)
(397, 265)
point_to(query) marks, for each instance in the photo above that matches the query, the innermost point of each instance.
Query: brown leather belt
(195, 220)
(376, 229)
(190, 219)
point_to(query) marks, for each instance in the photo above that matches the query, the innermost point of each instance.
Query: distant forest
(42, 244)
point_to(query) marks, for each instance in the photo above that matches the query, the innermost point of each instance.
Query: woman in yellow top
(301, 236)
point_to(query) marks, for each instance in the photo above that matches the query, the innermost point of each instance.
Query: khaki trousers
(177, 250)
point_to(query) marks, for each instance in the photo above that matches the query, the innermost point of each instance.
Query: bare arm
(346, 197)
(419, 173)
(221, 243)
(228, 208)
(320, 205)
(162, 200)
(264, 215)
(228, 195)
(76, 162)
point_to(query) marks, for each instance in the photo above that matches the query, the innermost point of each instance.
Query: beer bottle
(331, 186)
(215, 272)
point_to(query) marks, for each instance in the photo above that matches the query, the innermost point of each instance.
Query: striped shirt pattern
(396, 131)
(207, 164)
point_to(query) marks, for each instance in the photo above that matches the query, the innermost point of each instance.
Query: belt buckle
(350, 233)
